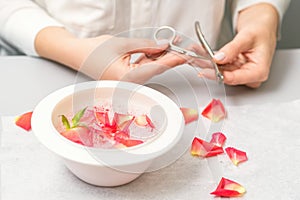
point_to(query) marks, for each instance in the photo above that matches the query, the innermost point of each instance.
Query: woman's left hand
(246, 60)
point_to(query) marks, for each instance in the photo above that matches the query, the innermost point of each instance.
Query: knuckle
(264, 75)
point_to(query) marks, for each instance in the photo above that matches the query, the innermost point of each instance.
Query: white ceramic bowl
(108, 167)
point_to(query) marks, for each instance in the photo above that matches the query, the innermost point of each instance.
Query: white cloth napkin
(269, 133)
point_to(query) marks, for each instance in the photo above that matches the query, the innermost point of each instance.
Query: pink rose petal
(189, 114)
(236, 156)
(214, 111)
(143, 120)
(204, 149)
(228, 188)
(122, 121)
(218, 139)
(24, 121)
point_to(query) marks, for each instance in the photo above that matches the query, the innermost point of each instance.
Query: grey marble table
(264, 122)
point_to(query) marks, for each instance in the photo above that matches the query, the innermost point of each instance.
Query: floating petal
(189, 114)
(24, 121)
(236, 156)
(228, 188)
(119, 146)
(218, 139)
(204, 149)
(121, 135)
(131, 142)
(122, 121)
(214, 111)
(102, 117)
(143, 120)
(76, 134)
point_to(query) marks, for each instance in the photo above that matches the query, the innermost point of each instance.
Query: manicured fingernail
(162, 42)
(219, 56)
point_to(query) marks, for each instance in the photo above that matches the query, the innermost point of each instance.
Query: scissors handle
(165, 29)
(160, 34)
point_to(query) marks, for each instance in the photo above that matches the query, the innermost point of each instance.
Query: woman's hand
(246, 60)
(112, 60)
(106, 57)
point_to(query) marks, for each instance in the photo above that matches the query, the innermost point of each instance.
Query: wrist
(81, 48)
(54, 43)
(260, 19)
(57, 44)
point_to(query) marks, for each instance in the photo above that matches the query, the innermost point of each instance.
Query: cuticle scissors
(171, 41)
(180, 50)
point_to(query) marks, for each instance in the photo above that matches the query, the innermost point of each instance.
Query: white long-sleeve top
(21, 20)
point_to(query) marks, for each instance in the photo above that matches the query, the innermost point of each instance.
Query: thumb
(230, 51)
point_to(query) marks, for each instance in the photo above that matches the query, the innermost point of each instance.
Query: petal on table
(24, 121)
(236, 156)
(189, 114)
(214, 111)
(218, 139)
(204, 149)
(143, 120)
(228, 188)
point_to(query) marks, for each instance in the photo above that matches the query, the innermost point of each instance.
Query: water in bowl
(101, 127)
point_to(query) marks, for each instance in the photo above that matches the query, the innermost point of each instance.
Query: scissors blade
(193, 54)
(186, 52)
(204, 43)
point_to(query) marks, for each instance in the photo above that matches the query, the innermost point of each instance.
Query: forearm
(58, 44)
(55, 43)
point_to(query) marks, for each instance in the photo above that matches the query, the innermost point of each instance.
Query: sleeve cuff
(280, 5)
(23, 25)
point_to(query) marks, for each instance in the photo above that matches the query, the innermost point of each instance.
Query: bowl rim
(43, 127)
